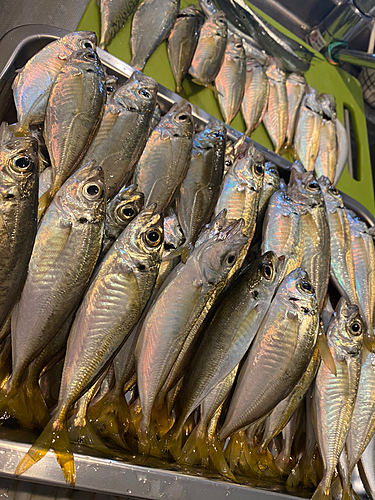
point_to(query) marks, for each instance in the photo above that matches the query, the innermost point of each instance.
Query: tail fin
(217, 458)
(55, 436)
(111, 416)
(5, 361)
(321, 494)
(162, 419)
(84, 433)
(234, 449)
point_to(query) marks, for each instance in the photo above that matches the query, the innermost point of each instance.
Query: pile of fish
(183, 285)
(231, 54)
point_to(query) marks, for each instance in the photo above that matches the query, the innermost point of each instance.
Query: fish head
(218, 255)
(190, 11)
(235, 48)
(297, 79)
(332, 197)
(124, 207)
(305, 190)
(178, 122)
(138, 94)
(346, 328)
(213, 228)
(111, 85)
(19, 165)
(328, 104)
(297, 291)
(311, 100)
(142, 241)
(216, 25)
(82, 198)
(275, 70)
(285, 205)
(271, 175)
(85, 61)
(173, 235)
(252, 64)
(264, 273)
(248, 168)
(80, 40)
(212, 136)
(208, 7)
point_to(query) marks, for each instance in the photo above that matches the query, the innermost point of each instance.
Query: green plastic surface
(322, 75)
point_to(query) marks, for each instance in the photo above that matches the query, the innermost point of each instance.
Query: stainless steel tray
(137, 477)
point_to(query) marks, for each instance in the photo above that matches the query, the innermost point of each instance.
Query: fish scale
(254, 102)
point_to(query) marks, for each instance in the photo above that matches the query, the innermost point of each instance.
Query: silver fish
(165, 159)
(270, 372)
(230, 81)
(275, 118)
(271, 183)
(113, 16)
(326, 161)
(255, 99)
(342, 149)
(32, 85)
(295, 89)
(308, 128)
(152, 23)
(123, 131)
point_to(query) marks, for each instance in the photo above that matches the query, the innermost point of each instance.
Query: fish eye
(216, 134)
(259, 169)
(153, 238)
(228, 163)
(90, 56)
(125, 212)
(221, 21)
(314, 186)
(356, 328)
(231, 259)
(182, 118)
(333, 190)
(110, 89)
(87, 44)
(22, 163)
(238, 46)
(144, 93)
(307, 287)
(267, 271)
(92, 191)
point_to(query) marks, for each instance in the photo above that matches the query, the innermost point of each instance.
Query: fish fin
(36, 404)
(148, 443)
(336, 488)
(163, 420)
(171, 442)
(325, 353)
(207, 85)
(5, 361)
(217, 458)
(284, 463)
(111, 415)
(321, 494)
(233, 450)
(55, 436)
(135, 65)
(195, 449)
(44, 203)
(84, 433)
(348, 494)
(183, 251)
(181, 92)
(102, 45)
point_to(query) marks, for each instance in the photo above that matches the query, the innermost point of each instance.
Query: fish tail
(261, 463)
(283, 462)
(163, 420)
(195, 450)
(112, 416)
(55, 436)
(35, 403)
(171, 442)
(217, 458)
(248, 131)
(234, 450)
(136, 65)
(44, 203)
(347, 493)
(322, 493)
(5, 361)
(84, 433)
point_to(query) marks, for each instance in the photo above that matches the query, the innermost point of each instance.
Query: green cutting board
(322, 75)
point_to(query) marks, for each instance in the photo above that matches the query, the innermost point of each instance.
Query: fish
(295, 89)
(364, 271)
(304, 190)
(366, 469)
(45, 181)
(113, 16)
(255, 99)
(308, 128)
(123, 131)
(271, 183)
(112, 84)
(241, 188)
(120, 211)
(120, 290)
(342, 264)
(334, 395)
(182, 42)
(152, 23)
(295, 57)
(165, 159)
(230, 81)
(326, 160)
(275, 118)
(209, 53)
(279, 355)
(191, 288)
(283, 231)
(32, 85)
(67, 244)
(74, 110)
(229, 334)
(362, 423)
(342, 149)
(156, 117)
(199, 191)
(18, 213)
